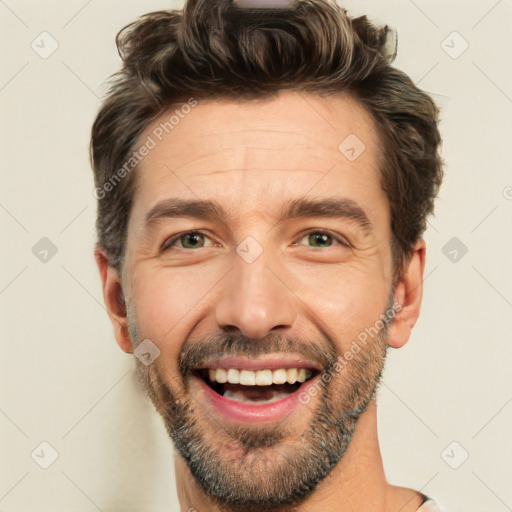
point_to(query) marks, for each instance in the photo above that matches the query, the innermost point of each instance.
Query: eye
(189, 240)
(322, 239)
(197, 240)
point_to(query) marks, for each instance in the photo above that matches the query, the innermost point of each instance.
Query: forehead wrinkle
(191, 143)
(317, 171)
(321, 158)
(220, 151)
(253, 130)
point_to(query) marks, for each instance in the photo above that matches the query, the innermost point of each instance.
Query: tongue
(261, 394)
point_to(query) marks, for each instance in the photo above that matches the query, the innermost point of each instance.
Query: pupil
(193, 237)
(320, 238)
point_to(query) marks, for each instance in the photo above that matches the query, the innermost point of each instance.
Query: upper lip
(264, 363)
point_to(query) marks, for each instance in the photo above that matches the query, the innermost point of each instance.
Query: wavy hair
(212, 49)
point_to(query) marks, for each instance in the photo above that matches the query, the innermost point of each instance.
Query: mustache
(203, 353)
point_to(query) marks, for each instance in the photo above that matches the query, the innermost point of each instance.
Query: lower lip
(255, 413)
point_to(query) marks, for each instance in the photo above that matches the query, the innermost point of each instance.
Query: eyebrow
(330, 207)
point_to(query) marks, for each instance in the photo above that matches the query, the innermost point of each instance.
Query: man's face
(277, 285)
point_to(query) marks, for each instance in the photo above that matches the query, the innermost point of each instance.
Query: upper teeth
(260, 377)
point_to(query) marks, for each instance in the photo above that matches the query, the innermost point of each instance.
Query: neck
(356, 483)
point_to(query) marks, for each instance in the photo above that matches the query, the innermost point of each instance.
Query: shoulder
(404, 499)
(430, 506)
(409, 500)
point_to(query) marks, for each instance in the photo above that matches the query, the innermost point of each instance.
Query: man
(263, 180)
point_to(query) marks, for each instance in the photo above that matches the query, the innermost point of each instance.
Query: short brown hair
(213, 49)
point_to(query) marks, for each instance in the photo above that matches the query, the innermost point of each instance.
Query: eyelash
(168, 243)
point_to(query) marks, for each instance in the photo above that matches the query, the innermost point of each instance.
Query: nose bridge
(254, 300)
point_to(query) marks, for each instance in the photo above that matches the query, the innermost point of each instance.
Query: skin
(251, 157)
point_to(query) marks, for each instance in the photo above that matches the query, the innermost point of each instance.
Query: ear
(408, 292)
(114, 300)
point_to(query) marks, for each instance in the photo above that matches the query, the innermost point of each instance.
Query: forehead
(258, 150)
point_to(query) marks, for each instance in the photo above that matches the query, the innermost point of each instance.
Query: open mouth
(261, 387)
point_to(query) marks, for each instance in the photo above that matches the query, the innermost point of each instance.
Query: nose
(254, 300)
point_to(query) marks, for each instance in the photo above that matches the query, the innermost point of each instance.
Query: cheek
(345, 302)
(166, 301)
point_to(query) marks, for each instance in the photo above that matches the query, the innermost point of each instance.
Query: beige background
(64, 381)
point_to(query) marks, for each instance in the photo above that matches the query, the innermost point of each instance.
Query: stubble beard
(268, 472)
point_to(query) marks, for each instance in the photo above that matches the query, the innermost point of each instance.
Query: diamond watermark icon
(507, 193)
(455, 455)
(44, 250)
(454, 45)
(454, 250)
(352, 147)
(146, 352)
(44, 455)
(44, 45)
(249, 249)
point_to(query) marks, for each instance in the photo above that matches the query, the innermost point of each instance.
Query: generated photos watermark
(157, 135)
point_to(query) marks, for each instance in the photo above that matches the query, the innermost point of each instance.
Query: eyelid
(170, 240)
(338, 238)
